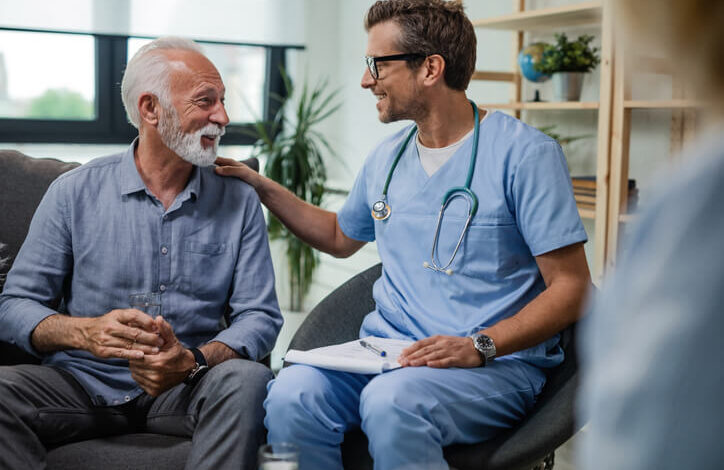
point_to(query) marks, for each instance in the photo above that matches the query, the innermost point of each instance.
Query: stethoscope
(381, 210)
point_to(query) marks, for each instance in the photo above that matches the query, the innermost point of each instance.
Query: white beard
(188, 145)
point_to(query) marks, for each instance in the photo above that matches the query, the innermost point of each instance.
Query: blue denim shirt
(99, 235)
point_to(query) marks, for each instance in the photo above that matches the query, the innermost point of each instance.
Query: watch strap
(199, 369)
(199, 357)
(485, 346)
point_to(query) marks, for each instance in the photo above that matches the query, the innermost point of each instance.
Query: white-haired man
(154, 218)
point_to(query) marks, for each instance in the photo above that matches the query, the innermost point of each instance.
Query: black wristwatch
(485, 346)
(198, 371)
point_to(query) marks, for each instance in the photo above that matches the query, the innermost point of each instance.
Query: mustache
(212, 130)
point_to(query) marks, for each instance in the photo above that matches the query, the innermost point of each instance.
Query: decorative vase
(567, 86)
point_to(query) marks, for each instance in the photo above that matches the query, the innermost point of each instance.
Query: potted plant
(293, 150)
(567, 62)
(562, 140)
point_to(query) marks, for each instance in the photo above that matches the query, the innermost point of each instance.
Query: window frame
(111, 125)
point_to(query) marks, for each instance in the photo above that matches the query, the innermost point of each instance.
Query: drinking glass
(149, 302)
(281, 456)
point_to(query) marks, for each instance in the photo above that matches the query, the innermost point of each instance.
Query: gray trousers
(41, 406)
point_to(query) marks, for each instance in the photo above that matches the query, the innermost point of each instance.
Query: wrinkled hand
(156, 373)
(230, 167)
(441, 352)
(122, 333)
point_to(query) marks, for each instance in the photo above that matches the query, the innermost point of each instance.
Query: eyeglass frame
(372, 61)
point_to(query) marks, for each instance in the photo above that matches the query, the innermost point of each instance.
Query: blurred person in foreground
(153, 218)
(652, 349)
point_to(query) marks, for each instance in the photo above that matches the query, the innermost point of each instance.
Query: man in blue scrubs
(485, 327)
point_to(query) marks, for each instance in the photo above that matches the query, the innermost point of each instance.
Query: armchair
(528, 445)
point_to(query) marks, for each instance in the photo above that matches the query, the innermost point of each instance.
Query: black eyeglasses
(372, 61)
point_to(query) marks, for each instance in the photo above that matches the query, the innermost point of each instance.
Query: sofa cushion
(128, 451)
(23, 182)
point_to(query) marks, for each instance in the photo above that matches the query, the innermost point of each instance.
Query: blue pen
(372, 348)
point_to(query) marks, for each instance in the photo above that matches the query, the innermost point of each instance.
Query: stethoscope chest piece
(380, 210)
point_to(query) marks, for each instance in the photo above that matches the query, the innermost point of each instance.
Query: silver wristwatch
(485, 346)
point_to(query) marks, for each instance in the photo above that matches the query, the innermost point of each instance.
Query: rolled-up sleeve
(34, 285)
(255, 318)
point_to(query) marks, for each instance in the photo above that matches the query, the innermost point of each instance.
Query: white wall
(335, 41)
(253, 21)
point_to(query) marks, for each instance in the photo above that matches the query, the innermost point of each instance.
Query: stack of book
(584, 191)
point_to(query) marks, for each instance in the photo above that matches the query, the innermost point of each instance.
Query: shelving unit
(663, 104)
(543, 105)
(614, 108)
(683, 128)
(532, 20)
(584, 13)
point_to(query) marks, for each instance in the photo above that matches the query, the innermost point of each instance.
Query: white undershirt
(433, 158)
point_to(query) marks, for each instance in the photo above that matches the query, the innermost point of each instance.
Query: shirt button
(127, 398)
(165, 217)
(164, 250)
(162, 287)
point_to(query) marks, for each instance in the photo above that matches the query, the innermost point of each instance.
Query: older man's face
(196, 119)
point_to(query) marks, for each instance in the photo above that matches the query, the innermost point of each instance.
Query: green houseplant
(562, 140)
(294, 150)
(567, 61)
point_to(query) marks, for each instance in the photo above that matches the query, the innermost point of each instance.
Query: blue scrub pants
(408, 414)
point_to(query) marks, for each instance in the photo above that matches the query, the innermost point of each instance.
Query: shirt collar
(131, 181)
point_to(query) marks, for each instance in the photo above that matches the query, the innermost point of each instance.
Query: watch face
(485, 342)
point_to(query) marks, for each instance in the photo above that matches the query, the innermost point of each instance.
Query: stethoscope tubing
(381, 209)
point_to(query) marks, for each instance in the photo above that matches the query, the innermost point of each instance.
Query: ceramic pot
(567, 86)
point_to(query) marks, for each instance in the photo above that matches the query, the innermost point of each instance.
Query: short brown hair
(432, 27)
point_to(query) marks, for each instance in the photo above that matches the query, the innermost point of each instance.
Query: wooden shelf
(587, 213)
(494, 76)
(543, 105)
(662, 104)
(546, 18)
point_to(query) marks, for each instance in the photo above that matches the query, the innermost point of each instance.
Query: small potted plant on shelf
(567, 61)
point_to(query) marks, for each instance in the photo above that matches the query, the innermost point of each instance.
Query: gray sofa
(23, 181)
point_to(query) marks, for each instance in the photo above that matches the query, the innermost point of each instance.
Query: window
(65, 87)
(47, 76)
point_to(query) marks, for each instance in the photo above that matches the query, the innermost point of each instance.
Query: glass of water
(281, 456)
(148, 302)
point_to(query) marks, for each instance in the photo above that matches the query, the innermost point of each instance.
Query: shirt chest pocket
(206, 268)
(492, 251)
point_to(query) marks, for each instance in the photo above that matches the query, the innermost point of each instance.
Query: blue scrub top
(526, 208)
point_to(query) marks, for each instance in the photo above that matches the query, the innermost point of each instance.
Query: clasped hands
(441, 352)
(156, 358)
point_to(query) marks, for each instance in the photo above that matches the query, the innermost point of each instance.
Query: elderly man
(154, 218)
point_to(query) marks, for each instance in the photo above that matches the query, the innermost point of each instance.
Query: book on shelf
(585, 199)
(584, 192)
(589, 183)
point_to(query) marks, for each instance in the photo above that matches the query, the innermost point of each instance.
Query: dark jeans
(43, 406)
